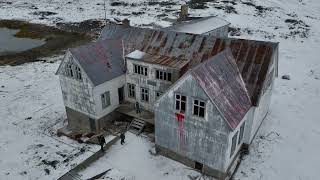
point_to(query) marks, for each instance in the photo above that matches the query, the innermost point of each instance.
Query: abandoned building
(206, 94)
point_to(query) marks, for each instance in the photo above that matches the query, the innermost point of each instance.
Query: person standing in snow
(102, 141)
(122, 137)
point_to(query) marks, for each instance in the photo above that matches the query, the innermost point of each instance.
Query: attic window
(69, 71)
(140, 70)
(78, 73)
(162, 75)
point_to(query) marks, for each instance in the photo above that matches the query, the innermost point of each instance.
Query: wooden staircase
(136, 126)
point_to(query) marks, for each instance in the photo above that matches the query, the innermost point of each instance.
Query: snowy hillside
(287, 144)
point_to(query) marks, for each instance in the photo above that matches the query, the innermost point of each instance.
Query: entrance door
(121, 94)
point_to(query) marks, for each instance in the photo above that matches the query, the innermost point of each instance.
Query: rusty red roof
(167, 61)
(252, 57)
(220, 78)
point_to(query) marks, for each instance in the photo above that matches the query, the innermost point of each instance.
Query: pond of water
(11, 44)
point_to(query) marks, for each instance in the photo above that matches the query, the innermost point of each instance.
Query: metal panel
(222, 81)
(102, 60)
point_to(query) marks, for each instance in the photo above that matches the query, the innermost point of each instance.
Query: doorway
(121, 94)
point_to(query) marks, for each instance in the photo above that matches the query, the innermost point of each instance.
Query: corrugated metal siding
(102, 60)
(221, 80)
(252, 57)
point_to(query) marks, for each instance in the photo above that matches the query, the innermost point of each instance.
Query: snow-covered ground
(286, 146)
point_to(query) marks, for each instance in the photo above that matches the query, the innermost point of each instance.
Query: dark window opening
(144, 94)
(198, 166)
(131, 90)
(199, 108)
(140, 70)
(181, 103)
(162, 75)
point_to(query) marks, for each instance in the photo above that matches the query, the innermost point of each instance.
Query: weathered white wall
(204, 140)
(258, 113)
(149, 82)
(77, 94)
(111, 86)
(238, 146)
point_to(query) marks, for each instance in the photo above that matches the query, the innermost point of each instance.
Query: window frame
(180, 102)
(140, 69)
(241, 134)
(78, 73)
(163, 75)
(199, 106)
(131, 89)
(144, 94)
(234, 143)
(158, 94)
(105, 102)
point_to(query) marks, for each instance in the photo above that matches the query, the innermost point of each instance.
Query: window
(144, 94)
(131, 90)
(78, 73)
(234, 143)
(199, 108)
(140, 70)
(162, 75)
(69, 71)
(241, 132)
(105, 99)
(181, 102)
(158, 94)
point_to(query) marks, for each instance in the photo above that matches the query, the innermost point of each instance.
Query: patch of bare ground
(57, 39)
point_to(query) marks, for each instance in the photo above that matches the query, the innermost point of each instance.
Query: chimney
(126, 22)
(184, 12)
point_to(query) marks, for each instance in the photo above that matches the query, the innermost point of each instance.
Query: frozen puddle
(134, 161)
(11, 44)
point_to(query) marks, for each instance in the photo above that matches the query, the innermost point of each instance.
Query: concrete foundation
(82, 123)
(188, 162)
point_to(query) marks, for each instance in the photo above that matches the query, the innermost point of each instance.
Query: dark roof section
(102, 60)
(167, 61)
(220, 78)
(252, 57)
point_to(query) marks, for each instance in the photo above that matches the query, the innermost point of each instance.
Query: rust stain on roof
(252, 57)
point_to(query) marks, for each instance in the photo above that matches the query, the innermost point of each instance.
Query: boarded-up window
(181, 102)
(144, 94)
(241, 133)
(199, 108)
(234, 144)
(131, 90)
(105, 99)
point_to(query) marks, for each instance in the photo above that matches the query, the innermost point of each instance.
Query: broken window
(131, 90)
(105, 99)
(140, 70)
(241, 132)
(144, 94)
(234, 143)
(78, 73)
(162, 75)
(199, 108)
(181, 103)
